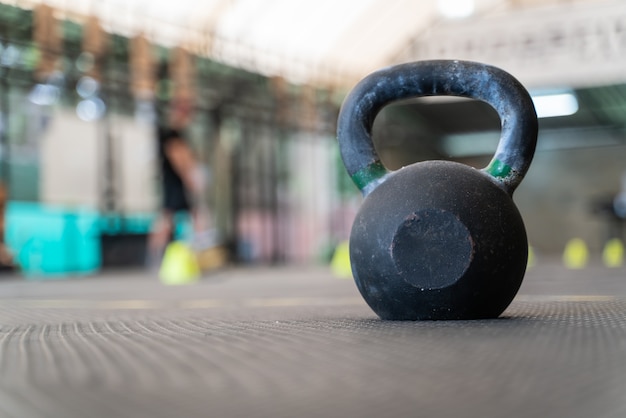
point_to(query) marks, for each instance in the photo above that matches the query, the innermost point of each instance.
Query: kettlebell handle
(474, 80)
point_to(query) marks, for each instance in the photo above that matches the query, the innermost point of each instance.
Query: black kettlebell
(438, 239)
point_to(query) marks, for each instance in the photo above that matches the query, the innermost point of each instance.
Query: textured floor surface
(296, 342)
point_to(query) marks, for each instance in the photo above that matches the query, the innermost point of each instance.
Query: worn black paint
(437, 239)
(440, 78)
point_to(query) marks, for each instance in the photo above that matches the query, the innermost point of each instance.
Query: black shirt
(174, 192)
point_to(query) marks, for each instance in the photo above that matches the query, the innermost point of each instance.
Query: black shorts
(175, 199)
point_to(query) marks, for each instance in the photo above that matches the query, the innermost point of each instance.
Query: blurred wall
(559, 197)
(69, 172)
(135, 164)
(72, 171)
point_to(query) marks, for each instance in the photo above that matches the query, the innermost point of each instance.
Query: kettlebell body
(450, 245)
(438, 239)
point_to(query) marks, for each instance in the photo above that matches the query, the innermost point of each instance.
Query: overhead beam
(572, 44)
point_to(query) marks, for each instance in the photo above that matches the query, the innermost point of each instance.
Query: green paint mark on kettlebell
(369, 174)
(498, 169)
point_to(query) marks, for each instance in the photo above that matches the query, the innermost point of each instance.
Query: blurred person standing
(182, 180)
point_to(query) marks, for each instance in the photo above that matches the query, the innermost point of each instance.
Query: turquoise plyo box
(50, 242)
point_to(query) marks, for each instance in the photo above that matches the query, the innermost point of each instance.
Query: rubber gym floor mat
(548, 356)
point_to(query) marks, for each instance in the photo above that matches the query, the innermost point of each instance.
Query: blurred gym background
(82, 81)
